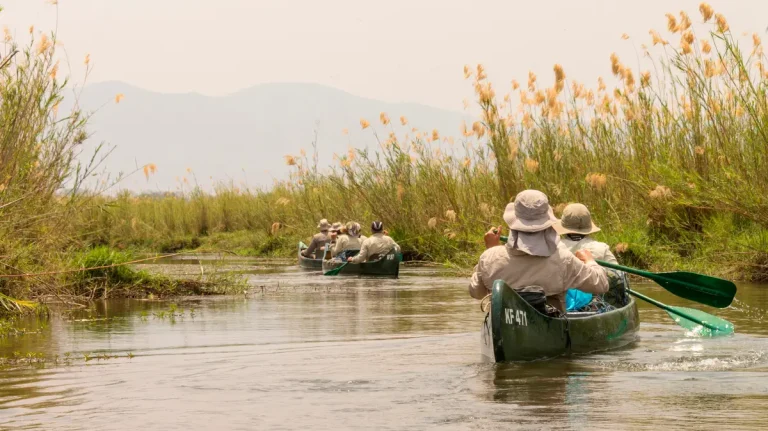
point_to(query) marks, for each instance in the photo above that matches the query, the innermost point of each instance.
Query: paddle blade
(700, 288)
(335, 271)
(724, 327)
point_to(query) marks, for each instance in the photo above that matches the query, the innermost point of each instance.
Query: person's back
(554, 273)
(576, 226)
(599, 250)
(349, 241)
(376, 245)
(318, 240)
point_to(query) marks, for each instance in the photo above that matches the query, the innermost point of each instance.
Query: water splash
(756, 314)
(693, 363)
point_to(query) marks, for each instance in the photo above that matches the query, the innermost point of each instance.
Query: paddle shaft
(673, 310)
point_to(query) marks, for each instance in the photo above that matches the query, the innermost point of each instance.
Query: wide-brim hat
(336, 227)
(323, 225)
(530, 212)
(576, 219)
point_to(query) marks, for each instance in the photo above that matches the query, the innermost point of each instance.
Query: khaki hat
(336, 227)
(576, 219)
(323, 225)
(530, 212)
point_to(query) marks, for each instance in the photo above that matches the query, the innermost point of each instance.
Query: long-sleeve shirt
(317, 243)
(346, 242)
(555, 274)
(599, 250)
(376, 244)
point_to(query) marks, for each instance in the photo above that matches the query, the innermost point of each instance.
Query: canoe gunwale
(538, 336)
(382, 267)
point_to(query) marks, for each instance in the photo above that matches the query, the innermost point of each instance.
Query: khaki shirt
(599, 250)
(378, 243)
(555, 274)
(346, 242)
(317, 244)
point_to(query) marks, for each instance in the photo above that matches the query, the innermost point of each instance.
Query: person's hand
(584, 256)
(492, 238)
(349, 259)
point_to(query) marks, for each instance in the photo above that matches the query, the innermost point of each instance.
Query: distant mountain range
(241, 136)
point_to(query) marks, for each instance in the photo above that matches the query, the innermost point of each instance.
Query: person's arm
(583, 273)
(477, 287)
(362, 256)
(339, 247)
(311, 249)
(609, 257)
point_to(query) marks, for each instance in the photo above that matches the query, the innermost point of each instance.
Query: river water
(303, 351)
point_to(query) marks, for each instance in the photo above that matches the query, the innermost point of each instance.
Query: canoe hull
(307, 263)
(387, 266)
(515, 331)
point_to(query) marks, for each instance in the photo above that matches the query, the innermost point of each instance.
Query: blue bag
(576, 299)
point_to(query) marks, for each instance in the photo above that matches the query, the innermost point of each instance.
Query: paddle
(337, 270)
(700, 288)
(693, 320)
(696, 287)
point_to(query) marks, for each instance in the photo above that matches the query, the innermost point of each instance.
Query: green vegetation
(44, 191)
(670, 158)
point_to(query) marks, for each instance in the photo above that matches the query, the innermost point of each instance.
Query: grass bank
(44, 189)
(670, 157)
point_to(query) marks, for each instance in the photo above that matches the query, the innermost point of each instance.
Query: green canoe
(306, 262)
(387, 266)
(515, 331)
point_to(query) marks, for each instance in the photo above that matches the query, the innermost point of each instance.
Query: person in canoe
(348, 242)
(317, 245)
(335, 231)
(575, 227)
(534, 257)
(375, 246)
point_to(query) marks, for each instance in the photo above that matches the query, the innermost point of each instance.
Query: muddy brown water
(302, 351)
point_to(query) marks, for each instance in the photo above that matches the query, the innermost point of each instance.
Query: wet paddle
(337, 270)
(700, 288)
(697, 321)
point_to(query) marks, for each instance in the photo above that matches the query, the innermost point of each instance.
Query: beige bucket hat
(530, 212)
(323, 225)
(336, 227)
(530, 220)
(576, 219)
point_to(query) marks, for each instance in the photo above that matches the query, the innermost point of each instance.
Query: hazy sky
(395, 50)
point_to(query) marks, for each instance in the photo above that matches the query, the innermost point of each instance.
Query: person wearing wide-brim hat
(576, 226)
(347, 242)
(376, 245)
(319, 240)
(534, 255)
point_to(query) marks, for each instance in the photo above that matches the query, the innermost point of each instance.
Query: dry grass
(669, 157)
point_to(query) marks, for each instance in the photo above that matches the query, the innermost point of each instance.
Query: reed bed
(670, 158)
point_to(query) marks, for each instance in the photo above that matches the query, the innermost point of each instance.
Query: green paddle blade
(724, 327)
(700, 288)
(703, 289)
(337, 270)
